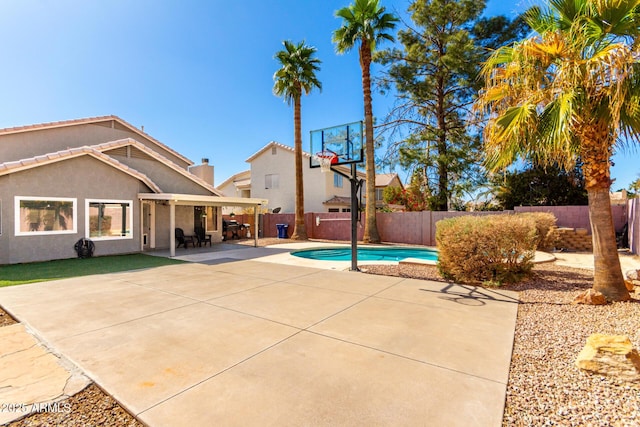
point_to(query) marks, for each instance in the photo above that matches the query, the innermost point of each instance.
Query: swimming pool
(367, 254)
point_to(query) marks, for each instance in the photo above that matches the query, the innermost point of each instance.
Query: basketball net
(326, 159)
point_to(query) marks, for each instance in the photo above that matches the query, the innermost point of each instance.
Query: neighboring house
(238, 185)
(103, 179)
(384, 180)
(272, 176)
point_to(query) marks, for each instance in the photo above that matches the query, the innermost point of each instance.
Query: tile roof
(238, 177)
(274, 144)
(24, 164)
(89, 120)
(338, 200)
(384, 179)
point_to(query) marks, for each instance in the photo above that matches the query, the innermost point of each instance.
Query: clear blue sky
(198, 74)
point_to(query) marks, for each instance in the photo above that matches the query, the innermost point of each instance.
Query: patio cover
(197, 200)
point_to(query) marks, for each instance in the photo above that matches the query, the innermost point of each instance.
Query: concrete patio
(256, 342)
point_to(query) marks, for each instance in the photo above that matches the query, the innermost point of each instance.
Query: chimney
(203, 171)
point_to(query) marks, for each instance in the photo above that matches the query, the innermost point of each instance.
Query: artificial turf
(19, 274)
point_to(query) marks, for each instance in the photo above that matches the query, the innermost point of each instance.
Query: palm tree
(365, 23)
(296, 76)
(570, 91)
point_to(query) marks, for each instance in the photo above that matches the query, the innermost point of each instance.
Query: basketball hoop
(326, 159)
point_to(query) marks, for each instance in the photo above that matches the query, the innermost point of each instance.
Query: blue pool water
(367, 254)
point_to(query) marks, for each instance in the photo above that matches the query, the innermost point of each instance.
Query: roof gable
(385, 179)
(240, 176)
(46, 159)
(271, 145)
(142, 151)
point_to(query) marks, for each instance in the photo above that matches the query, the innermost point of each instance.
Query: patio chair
(184, 240)
(202, 236)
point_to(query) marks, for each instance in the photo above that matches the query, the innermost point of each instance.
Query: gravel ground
(544, 389)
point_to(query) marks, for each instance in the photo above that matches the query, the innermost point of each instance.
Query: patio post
(172, 227)
(255, 226)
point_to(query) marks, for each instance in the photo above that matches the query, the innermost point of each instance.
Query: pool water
(367, 254)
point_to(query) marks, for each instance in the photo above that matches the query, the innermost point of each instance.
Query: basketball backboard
(345, 141)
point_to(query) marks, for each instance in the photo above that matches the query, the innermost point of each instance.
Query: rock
(590, 297)
(633, 274)
(611, 355)
(630, 285)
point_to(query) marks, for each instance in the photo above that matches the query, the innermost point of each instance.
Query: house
(238, 185)
(103, 179)
(272, 177)
(384, 180)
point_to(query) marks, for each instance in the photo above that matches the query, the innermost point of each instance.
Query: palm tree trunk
(596, 153)
(608, 278)
(300, 230)
(371, 234)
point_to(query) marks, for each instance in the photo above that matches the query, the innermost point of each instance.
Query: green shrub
(492, 248)
(546, 235)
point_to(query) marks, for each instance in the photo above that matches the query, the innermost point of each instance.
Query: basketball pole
(354, 218)
(355, 186)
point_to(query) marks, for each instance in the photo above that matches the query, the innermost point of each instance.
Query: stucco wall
(80, 178)
(33, 143)
(166, 178)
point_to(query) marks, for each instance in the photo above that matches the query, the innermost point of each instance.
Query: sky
(197, 74)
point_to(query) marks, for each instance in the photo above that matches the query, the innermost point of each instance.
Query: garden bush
(492, 249)
(546, 234)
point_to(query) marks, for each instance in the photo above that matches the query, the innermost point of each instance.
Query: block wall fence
(419, 228)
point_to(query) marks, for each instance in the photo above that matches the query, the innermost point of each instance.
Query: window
(274, 151)
(334, 210)
(45, 215)
(346, 209)
(109, 219)
(379, 192)
(337, 180)
(271, 181)
(212, 218)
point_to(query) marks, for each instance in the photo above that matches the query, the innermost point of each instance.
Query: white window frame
(271, 181)
(16, 208)
(337, 180)
(87, 231)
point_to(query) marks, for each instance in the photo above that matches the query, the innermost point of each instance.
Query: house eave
(195, 199)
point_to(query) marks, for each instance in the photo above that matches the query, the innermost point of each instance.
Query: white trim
(16, 210)
(114, 201)
(198, 200)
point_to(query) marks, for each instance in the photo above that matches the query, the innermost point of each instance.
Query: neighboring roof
(90, 120)
(157, 156)
(338, 200)
(384, 179)
(274, 144)
(238, 178)
(45, 159)
(243, 183)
